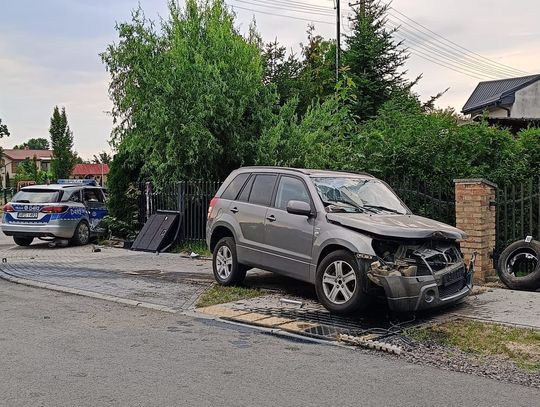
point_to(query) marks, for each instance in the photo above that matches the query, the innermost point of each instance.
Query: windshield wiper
(384, 208)
(22, 201)
(349, 204)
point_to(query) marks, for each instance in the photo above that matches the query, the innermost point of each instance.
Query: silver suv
(349, 234)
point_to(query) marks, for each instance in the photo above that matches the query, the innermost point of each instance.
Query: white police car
(70, 210)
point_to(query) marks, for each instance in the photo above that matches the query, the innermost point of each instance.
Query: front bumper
(36, 230)
(410, 294)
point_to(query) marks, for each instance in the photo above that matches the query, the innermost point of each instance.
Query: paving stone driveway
(175, 281)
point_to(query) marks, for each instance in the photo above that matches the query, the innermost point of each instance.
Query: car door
(289, 237)
(94, 201)
(249, 210)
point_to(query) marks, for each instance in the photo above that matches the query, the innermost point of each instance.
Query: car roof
(305, 171)
(59, 187)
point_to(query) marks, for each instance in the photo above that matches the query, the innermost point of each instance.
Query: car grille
(451, 289)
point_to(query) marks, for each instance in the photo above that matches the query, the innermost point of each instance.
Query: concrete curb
(85, 293)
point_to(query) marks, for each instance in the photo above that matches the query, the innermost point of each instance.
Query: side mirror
(299, 208)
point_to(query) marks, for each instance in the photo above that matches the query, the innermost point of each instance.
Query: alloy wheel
(224, 262)
(339, 282)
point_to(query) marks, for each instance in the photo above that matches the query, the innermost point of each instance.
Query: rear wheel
(23, 241)
(81, 236)
(225, 265)
(340, 283)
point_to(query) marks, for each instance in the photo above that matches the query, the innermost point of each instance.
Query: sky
(49, 52)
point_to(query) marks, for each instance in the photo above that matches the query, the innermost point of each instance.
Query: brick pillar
(476, 216)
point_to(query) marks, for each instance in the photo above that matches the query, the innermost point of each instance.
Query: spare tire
(519, 266)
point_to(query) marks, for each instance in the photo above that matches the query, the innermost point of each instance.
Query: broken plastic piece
(293, 302)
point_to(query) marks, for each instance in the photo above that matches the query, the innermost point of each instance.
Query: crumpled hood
(401, 226)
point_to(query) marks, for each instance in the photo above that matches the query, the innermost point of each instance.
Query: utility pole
(338, 36)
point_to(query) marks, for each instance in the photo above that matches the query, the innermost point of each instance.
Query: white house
(514, 101)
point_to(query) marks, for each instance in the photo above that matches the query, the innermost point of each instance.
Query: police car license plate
(27, 215)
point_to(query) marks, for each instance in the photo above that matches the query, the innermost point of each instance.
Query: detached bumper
(410, 294)
(35, 230)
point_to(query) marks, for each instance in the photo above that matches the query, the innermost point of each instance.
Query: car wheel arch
(219, 232)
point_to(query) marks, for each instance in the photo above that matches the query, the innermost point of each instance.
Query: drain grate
(320, 324)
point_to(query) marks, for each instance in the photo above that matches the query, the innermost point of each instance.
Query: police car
(70, 210)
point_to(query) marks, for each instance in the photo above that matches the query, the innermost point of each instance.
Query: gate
(518, 212)
(191, 198)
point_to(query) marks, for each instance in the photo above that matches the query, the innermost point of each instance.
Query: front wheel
(81, 236)
(225, 265)
(340, 283)
(23, 241)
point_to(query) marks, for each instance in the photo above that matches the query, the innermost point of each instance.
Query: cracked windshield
(356, 195)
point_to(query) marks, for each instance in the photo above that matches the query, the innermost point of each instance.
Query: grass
(520, 345)
(196, 247)
(219, 294)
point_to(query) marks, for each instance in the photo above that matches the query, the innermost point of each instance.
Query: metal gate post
(148, 193)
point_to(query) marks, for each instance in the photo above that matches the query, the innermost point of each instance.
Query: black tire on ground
(511, 256)
(81, 236)
(358, 300)
(23, 241)
(227, 270)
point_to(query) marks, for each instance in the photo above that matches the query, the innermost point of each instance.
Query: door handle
(271, 218)
(234, 210)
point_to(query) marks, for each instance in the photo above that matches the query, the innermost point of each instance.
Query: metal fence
(191, 198)
(435, 199)
(7, 194)
(518, 212)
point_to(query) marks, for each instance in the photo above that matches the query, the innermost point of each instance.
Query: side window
(261, 191)
(244, 195)
(235, 186)
(75, 196)
(290, 189)
(92, 196)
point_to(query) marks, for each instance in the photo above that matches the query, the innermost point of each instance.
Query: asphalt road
(62, 350)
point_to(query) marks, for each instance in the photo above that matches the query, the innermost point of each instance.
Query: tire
(23, 241)
(338, 290)
(225, 265)
(81, 236)
(516, 252)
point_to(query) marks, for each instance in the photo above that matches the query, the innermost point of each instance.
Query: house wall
(527, 104)
(497, 112)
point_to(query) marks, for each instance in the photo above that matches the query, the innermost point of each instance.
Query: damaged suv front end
(415, 262)
(420, 274)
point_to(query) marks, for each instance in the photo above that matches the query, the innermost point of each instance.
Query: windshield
(36, 196)
(357, 195)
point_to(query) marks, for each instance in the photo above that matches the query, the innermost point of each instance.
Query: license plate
(27, 215)
(452, 277)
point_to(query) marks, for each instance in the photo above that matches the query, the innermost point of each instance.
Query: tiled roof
(22, 154)
(90, 169)
(491, 93)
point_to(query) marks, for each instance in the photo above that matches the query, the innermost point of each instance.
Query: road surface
(62, 350)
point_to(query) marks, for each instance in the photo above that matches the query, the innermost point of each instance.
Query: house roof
(499, 92)
(90, 169)
(19, 155)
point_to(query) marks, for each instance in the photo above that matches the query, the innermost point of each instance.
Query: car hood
(401, 226)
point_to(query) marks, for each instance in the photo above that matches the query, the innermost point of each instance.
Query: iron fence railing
(191, 198)
(7, 194)
(518, 212)
(434, 199)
